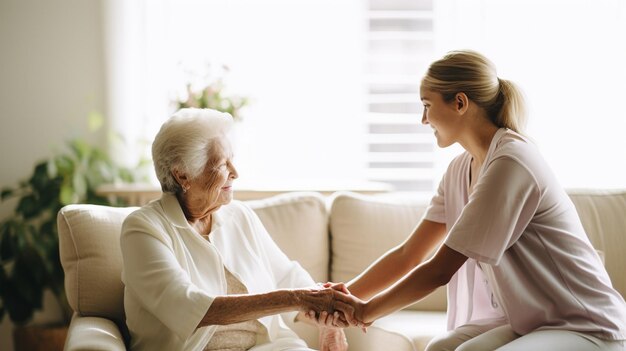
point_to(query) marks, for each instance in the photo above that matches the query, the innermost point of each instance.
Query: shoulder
(240, 221)
(149, 219)
(518, 148)
(524, 160)
(236, 209)
(239, 214)
(145, 214)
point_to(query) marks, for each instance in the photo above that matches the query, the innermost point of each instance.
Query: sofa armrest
(93, 333)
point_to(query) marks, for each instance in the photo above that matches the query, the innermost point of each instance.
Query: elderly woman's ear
(181, 179)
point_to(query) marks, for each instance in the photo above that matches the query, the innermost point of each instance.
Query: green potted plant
(29, 248)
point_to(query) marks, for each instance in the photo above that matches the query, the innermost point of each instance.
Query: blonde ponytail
(511, 112)
(473, 74)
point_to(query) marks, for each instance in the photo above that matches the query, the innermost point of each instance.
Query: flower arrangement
(208, 90)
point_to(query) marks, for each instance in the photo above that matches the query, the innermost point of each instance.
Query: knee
(441, 343)
(468, 346)
(451, 343)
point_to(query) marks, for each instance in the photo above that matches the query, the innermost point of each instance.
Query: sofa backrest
(603, 215)
(298, 223)
(363, 227)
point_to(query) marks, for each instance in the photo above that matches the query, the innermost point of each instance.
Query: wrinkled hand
(332, 339)
(346, 309)
(320, 302)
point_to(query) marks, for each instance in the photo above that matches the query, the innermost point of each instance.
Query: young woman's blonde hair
(469, 72)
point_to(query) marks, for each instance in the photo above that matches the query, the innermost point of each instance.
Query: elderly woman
(201, 271)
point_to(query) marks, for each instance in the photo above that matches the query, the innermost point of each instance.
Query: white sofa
(334, 238)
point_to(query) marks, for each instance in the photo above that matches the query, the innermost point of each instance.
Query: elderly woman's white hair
(184, 143)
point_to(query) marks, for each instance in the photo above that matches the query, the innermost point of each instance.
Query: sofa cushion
(89, 246)
(418, 326)
(603, 215)
(363, 227)
(298, 223)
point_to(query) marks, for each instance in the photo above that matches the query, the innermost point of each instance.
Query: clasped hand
(338, 308)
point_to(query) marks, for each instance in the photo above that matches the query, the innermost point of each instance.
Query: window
(301, 63)
(400, 45)
(335, 84)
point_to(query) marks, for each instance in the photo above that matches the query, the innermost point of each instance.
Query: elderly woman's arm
(289, 274)
(231, 309)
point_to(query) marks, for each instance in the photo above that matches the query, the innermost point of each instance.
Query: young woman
(521, 272)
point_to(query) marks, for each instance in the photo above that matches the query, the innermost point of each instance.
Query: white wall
(51, 77)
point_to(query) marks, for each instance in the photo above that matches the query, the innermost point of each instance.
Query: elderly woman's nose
(233, 172)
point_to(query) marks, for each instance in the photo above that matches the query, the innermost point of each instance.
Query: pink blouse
(524, 232)
(470, 299)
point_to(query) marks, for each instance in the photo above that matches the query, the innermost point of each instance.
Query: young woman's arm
(416, 285)
(397, 262)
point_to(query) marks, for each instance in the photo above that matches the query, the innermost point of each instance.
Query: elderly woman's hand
(321, 302)
(335, 319)
(332, 339)
(346, 309)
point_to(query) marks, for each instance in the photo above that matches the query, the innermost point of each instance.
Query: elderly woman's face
(213, 188)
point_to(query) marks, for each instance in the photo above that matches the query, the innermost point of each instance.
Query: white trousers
(502, 338)
(285, 340)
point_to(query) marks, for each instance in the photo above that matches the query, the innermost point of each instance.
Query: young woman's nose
(424, 119)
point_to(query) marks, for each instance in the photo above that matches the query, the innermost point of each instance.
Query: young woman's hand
(352, 308)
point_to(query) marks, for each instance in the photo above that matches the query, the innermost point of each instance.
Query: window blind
(400, 150)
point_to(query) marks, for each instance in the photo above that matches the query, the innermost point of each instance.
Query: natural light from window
(304, 65)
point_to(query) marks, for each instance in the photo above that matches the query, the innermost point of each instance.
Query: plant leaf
(64, 165)
(67, 194)
(80, 148)
(80, 187)
(19, 309)
(28, 206)
(40, 178)
(3, 278)
(6, 192)
(7, 244)
(52, 168)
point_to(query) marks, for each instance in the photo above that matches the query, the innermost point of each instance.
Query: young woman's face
(442, 117)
